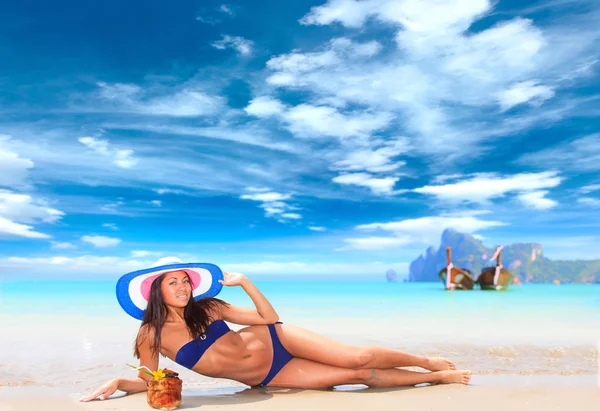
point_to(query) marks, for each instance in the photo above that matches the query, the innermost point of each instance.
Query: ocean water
(75, 335)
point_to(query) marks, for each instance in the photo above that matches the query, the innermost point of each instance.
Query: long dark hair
(195, 315)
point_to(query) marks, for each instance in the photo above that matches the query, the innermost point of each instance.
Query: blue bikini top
(191, 352)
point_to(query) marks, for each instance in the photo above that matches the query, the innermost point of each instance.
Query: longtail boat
(495, 278)
(455, 278)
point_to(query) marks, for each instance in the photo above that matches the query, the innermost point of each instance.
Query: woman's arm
(131, 385)
(264, 312)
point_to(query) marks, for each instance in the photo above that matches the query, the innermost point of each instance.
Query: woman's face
(176, 288)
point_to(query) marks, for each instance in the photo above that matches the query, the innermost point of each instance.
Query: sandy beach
(439, 397)
(547, 360)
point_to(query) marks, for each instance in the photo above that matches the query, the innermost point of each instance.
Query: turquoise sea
(75, 333)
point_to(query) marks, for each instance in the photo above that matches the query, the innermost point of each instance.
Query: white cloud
(424, 230)
(440, 179)
(99, 146)
(156, 203)
(273, 203)
(118, 91)
(584, 69)
(124, 159)
(301, 62)
(291, 66)
(537, 200)
(187, 103)
(61, 245)
(239, 44)
(374, 243)
(317, 228)
(9, 227)
(112, 208)
(444, 81)
(23, 208)
(350, 13)
(129, 98)
(163, 191)
(264, 106)
(112, 226)
(483, 187)
(589, 201)
(582, 154)
(101, 241)
(267, 197)
(378, 186)
(336, 50)
(226, 9)
(15, 208)
(429, 229)
(251, 135)
(88, 264)
(306, 120)
(374, 160)
(429, 18)
(144, 253)
(121, 158)
(208, 20)
(60, 160)
(13, 168)
(524, 92)
(589, 188)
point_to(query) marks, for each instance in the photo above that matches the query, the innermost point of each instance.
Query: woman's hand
(103, 392)
(233, 279)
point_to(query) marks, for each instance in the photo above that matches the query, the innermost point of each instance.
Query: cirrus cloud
(14, 169)
(121, 158)
(189, 101)
(483, 187)
(275, 204)
(239, 44)
(8, 227)
(101, 241)
(423, 230)
(383, 185)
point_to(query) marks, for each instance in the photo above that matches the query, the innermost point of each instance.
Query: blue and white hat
(133, 289)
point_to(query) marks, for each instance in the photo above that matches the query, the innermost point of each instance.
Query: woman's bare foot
(454, 377)
(438, 364)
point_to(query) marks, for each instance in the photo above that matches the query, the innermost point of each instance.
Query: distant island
(524, 260)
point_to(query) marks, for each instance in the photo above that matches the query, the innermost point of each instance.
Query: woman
(267, 353)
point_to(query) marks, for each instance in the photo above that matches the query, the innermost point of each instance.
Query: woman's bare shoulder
(214, 309)
(146, 331)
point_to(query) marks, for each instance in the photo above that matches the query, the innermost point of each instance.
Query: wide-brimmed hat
(133, 289)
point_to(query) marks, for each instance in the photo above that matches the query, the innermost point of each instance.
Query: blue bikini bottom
(281, 357)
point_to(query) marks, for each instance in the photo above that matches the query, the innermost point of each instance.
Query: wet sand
(483, 393)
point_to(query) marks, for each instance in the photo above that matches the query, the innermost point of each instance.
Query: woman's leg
(306, 344)
(301, 373)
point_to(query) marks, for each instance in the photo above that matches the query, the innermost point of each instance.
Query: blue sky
(313, 138)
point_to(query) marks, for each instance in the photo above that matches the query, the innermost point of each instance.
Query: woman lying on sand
(194, 334)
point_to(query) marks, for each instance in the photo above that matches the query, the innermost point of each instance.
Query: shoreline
(516, 394)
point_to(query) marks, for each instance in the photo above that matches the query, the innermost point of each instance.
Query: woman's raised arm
(264, 312)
